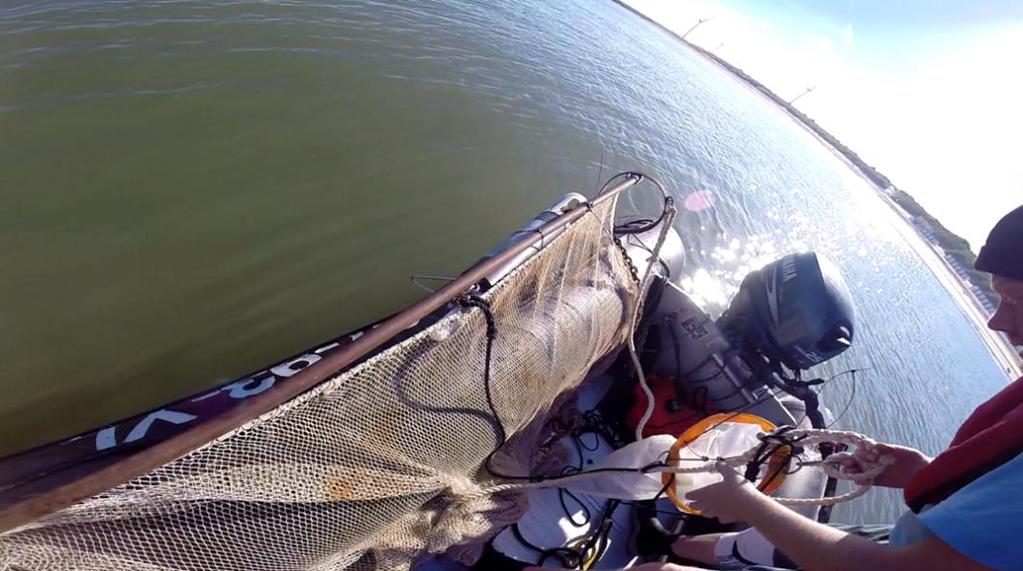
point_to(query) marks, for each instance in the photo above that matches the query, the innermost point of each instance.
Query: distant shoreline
(1003, 353)
(868, 172)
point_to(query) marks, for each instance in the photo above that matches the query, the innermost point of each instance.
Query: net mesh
(379, 465)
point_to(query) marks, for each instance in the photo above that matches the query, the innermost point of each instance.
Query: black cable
(627, 225)
(473, 300)
(572, 470)
(596, 442)
(678, 360)
(848, 403)
(778, 439)
(700, 398)
(639, 470)
(568, 557)
(641, 504)
(668, 200)
(591, 546)
(599, 542)
(586, 516)
(624, 174)
(730, 417)
(478, 302)
(664, 488)
(562, 492)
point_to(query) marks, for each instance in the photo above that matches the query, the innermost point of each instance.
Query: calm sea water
(189, 190)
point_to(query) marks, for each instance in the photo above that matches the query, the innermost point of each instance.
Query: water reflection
(733, 258)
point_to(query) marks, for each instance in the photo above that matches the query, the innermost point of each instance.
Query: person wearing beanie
(965, 505)
(1002, 257)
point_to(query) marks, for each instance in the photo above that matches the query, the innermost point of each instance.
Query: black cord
(848, 403)
(646, 507)
(664, 488)
(599, 542)
(474, 300)
(594, 545)
(679, 375)
(596, 443)
(668, 201)
(586, 515)
(729, 418)
(771, 444)
(562, 492)
(626, 226)
(623, 174)
(568, 557)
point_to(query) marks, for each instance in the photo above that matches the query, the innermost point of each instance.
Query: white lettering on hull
(107, 437)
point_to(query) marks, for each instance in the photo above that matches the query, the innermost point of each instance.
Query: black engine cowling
(796, 311)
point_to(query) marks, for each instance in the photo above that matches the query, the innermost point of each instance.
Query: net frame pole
(61, 489)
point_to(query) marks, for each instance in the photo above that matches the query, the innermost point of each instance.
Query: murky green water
(189, 190)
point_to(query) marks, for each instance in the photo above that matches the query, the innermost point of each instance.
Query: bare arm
(642, 567)
(814, 546)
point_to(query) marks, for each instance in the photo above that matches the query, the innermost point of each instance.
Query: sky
(930, 92)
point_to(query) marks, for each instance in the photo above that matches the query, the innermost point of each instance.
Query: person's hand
(729, 500)
(643, 567)
(905, 463)
(663, 567)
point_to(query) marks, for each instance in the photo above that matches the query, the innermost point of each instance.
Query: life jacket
(990, 437)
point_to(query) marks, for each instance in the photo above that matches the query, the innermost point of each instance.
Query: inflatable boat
(435, 438)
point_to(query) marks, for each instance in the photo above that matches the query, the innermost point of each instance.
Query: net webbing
(378, 465)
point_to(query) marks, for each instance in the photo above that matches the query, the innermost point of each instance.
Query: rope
(831, 466)
(655, 254)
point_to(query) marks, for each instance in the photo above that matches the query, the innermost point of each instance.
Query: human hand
(643, 567)
(663, 567)
(730, 500)
(905, 462)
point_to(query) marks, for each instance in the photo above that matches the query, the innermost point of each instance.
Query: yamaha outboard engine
(795, 311)
(788, 316)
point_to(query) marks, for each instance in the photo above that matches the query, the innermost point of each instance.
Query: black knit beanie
(1003, 253)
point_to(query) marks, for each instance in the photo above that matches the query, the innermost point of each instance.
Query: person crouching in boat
(966, 505)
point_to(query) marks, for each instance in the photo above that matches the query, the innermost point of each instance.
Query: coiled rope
(862, 473)
(834, 466)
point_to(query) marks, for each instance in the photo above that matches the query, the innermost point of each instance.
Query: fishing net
(382, 463)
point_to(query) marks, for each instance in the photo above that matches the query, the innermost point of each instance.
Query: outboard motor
(790, 315)
(796, 312)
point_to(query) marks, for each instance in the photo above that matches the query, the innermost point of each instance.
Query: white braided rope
(833, 466)
(670, 211)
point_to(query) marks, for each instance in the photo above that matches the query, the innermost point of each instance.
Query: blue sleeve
(984, 520)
